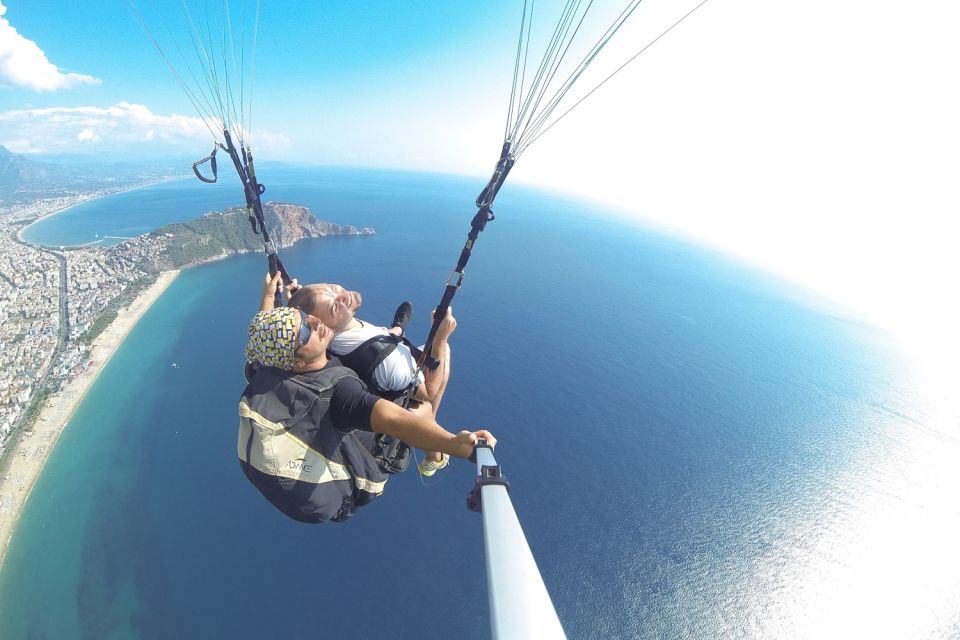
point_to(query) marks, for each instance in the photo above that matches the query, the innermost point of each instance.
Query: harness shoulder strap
(367, 357)
(370, 354)
(335, 376)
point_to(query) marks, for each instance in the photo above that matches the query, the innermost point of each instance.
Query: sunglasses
(305, 330)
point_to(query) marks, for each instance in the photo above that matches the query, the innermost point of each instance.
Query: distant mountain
(23, 178)
(20, 174)
(119, 166)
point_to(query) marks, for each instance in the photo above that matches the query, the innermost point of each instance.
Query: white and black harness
(366, 357)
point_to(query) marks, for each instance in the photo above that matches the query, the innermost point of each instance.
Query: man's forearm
(418, 431)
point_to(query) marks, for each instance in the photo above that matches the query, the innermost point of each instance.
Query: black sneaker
(402, 316)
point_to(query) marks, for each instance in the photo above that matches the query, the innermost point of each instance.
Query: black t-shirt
(351, 405)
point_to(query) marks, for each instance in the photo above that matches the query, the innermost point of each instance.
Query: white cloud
(24, 64)
(271, 145)
(121, 129)
(65, 129)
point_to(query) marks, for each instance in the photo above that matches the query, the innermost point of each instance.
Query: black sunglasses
(305, 329)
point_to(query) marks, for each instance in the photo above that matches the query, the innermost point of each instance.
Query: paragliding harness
(369, 355)
(391, 453)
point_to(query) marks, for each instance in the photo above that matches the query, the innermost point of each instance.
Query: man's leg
(400, 318)
(421, 409)
(432, 460)
(435, 382)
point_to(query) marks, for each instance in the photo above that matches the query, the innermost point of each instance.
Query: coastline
(35, 446)
(84, 200)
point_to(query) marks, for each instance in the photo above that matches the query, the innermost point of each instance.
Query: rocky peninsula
(217, 235)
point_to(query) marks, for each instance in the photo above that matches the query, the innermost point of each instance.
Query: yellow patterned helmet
(272, 338)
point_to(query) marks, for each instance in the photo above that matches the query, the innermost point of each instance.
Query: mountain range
(23, 178)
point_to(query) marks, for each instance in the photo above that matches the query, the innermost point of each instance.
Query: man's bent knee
(421, 408)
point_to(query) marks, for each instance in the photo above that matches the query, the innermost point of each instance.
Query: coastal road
(63, 334)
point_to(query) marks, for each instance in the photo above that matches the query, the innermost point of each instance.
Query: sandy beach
(34, 447)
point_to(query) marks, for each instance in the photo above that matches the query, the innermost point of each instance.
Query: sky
(818, 140)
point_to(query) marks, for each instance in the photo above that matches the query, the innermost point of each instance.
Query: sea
(696, 448)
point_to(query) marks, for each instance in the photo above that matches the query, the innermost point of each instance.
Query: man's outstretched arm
(423, 432)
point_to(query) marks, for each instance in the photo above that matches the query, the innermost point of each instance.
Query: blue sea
(696, 449)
